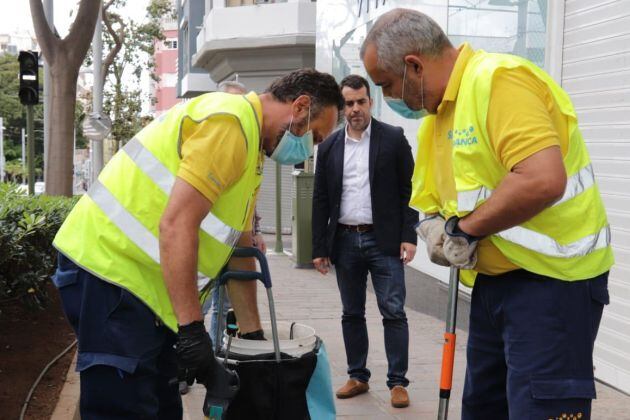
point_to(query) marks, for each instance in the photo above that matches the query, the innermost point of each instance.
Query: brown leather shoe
(352, 388)
(400, 398)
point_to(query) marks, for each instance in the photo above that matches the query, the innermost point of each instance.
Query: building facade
(191, 80)
(164, 89)
(13, 43)
(585, 46)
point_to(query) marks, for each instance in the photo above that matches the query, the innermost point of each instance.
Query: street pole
(49, 13)
(278, 248)
(97, 93)
(1, 151)
(31, 149)
(23, 153)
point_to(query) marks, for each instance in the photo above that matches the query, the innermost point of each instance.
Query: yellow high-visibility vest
(569, 240)
(113, 230)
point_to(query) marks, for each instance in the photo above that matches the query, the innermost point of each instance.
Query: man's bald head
(401, 32)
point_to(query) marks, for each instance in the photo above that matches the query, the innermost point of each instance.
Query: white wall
(596, 74)
(264, 21)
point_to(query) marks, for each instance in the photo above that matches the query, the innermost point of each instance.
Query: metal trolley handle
(265, 278)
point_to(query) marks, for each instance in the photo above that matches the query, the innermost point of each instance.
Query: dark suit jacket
(391, 168)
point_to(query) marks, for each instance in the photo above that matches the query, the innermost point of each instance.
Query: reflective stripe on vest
(576, 185)
(125, 221)
(545, 245)
(130, 226)
(162, 177)
(527, 238)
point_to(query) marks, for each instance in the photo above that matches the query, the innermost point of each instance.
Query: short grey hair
(401, 32)
(226, 85)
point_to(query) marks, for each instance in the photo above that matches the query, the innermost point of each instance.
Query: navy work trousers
(358, 254)
(530, 347)
(126, 356)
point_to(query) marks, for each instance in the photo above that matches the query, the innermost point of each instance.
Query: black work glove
(195, 354)
(460, 248)
(254, 335)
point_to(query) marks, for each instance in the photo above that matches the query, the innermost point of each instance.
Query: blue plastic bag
(319, 395)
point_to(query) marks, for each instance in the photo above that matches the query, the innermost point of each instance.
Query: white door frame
(555, 39)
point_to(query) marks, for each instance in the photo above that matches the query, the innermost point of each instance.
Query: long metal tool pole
(219, 334)
(31, 149)
(278, 249)
(274, 325)
(448, 350)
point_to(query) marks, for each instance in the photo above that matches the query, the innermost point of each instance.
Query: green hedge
(27, 228)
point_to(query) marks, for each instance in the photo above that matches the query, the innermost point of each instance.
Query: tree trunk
(65, 57)
(61, 151)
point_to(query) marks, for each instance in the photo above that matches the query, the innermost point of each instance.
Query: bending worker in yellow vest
(506, 185)
(167, 209)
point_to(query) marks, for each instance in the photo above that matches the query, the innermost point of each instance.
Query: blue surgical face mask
(401, 108)
(293, 149)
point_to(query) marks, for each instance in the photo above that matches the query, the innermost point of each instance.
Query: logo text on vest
(463, 137)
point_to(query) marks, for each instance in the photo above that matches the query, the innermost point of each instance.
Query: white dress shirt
(356, 197)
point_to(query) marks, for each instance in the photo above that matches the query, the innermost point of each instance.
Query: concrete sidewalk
(306, 296)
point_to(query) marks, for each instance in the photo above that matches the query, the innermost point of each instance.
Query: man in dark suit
(362, 223)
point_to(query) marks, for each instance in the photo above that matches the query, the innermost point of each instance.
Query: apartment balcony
(256, 40)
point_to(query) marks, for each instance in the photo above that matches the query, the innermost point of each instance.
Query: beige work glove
(431, 231)
(460, 249)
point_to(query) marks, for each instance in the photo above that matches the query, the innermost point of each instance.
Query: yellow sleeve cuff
(208, 190)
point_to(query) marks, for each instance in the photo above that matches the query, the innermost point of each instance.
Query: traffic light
(29, 77)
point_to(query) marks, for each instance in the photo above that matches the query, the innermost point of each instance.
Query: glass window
(505, 26)
(346, 60)
(517, 27)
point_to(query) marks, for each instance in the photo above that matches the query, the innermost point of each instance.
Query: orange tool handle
(448, 361)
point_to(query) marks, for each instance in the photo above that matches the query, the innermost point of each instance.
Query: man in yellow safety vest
(167, 210)
(505, 182)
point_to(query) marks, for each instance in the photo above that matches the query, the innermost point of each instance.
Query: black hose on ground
(41, 375)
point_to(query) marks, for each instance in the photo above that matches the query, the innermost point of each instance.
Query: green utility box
(301, 219)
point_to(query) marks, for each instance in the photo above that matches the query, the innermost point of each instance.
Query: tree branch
(47, 40)
(117, 36)
(82, 31)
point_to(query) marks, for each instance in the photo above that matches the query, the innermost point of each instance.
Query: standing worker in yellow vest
(505, 182)
(167, 209)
